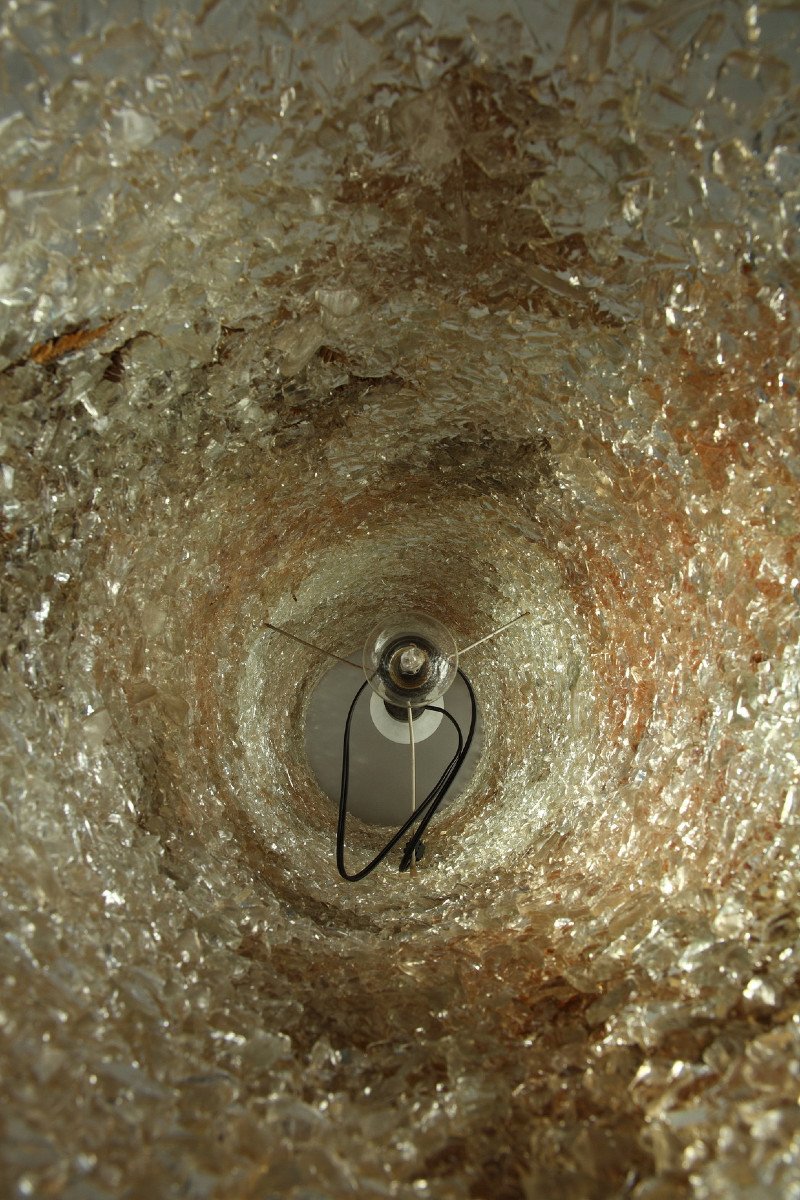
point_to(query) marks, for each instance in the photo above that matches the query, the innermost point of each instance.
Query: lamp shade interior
(314, 314)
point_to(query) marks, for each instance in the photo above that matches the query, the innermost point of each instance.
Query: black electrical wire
(420, 812)
(416, 840)
(424, 812)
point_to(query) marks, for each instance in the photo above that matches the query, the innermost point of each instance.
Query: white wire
(413, 761)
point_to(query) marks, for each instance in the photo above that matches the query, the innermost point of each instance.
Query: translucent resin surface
(312, 312)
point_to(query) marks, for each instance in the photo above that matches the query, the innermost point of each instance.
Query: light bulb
(410, 660)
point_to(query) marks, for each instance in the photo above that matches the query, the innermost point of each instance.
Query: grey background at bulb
(380, 770)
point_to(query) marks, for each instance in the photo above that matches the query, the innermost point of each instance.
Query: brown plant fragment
(67, 343)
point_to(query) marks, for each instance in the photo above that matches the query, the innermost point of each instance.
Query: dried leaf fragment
(67, 343)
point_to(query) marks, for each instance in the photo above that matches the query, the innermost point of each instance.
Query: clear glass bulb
(410, 659)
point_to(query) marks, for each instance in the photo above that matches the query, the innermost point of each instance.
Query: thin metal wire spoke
(493, 634)
(311, 646)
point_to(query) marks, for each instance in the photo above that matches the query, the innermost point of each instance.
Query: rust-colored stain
(67, 343)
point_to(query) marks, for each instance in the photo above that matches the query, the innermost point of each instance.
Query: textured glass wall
(313, 311)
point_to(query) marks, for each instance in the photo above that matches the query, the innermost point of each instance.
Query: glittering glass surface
(311, 312)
